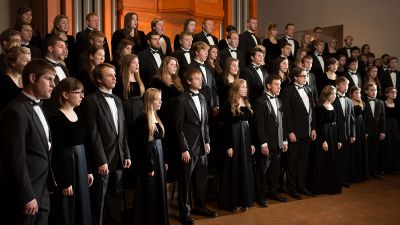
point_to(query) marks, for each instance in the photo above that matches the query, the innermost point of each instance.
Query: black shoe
(206, 213)
(263, 203)
(187, 220)
(278, 198)
(307, 192)
(295, 195)
(346, 184)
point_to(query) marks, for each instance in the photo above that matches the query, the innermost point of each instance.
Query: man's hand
(185, 156)
(325, 146)
(90, 179)
(313, 135)
(31, 208)
(352, 140)
(229, 152)
(68, 191)
(207, 148)
(103, 169)
(382, 136)
(285, 147)
(253, 149)
(127, 163)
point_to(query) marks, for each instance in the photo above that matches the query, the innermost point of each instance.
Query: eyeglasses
(77, 92)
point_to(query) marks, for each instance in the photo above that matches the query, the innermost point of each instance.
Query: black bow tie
(185, 51)
(256, 67)
(207, 34)
(202, 65)
(270, 96)
(317, 54)
(289, 38)
(371, 100)
(352, 73)
(194, 94)
(299, 87)
(155, 51)
(36, 103)
(340, 96)
(54, 63)
(107, 95)
(232, 50)
(392, 71)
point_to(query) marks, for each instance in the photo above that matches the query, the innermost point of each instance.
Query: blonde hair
(234, 97)
(125, 72)
(152, 118)
(351, 92)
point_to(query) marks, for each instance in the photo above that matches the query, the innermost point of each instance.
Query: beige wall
(376, 22)
(8, 12)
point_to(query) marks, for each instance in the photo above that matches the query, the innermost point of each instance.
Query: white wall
(376, 22)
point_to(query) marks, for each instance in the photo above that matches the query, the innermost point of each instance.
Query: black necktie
(270, 96)
(107, 95)
(194, 94)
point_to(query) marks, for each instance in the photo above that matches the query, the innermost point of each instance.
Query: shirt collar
(105, 90)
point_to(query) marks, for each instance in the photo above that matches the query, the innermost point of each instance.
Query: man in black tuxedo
(318, 62)
(390, 77)
(271, 141)
(206, 34)
(184, 54)
(26, 37)
(300, 124)
(248, 40)
(209, 87)
(25, 144)
(194, 145)
(352, 75)
(55, 54)
(255, 75)
(348, 44)
(232, 51)
(318, 35)
(346, 129)
(157, 25)
(107, 146)
(289, 34)
(307, 62)
(83, 42)
(151, 58)
(223, 43)
(374, 120)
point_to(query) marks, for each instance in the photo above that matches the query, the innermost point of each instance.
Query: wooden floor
(371, 202)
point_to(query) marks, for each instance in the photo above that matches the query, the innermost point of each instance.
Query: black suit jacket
(192, 130)
(25, 171)
(246, 45)
(374, 124)
(226, 53)
(351, 81)
(148, 65)
(344, 122)
(255, 85)
(180, 55)
(316, 68)
(209, 88)
(386, 80)
(297, 119)
(82, 46)
(105, 144)
(36, 53)
(313, 86)
(202, 37)
(222, 44)
(266, 123)
(292, 57)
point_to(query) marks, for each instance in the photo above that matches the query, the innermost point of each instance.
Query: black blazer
(297, 119)
(313, 86)
(226, 53)
(386, 80)
(266, 123)
(36, 53)
(148, 65)
(25, 172)
(292, 57)
(180, 55)
(105, 145)
(209, 89)
(202, 37)
(316, 68)
(345, 122)
(351, 81)
(246, 45)
(374, 124)
(192, 132)
(222, 44)
(255, 85)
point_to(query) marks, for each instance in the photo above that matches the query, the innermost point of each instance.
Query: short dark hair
(97, 71)
(297, 71)
(284, 44)
(354, 48)
(255, 50)
(392, 58)
(271, 78)
(183, 34)
(90, 15)
(186, 23)
(151, 34)
(37, 67)
(188, 75)
(68, 84)
(340, 80)
(351, 60)
(7, 34)
(287, 25)
(230, 28)
(51, 41)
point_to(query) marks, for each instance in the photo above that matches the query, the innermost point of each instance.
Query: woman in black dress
(327, 176)
(271, 44)
(390, 150)
(329, 77)
(213, 61)
(124, 48)
(131, 32)
(189, 26)
(236, 188)
(130, 89)
(372, 78)
(96, 56)
(168, 81)
(359, 151)
(11, 81)
(224, 82)
(71, 202)
(281, 67)
(150, 200)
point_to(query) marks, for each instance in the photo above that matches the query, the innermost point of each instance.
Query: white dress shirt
(203, 70)
(156, 56)
(197, 102)
(304, 96)
(113, 107)
(393, 76)
(209, 38)
(187, 56)
(59, 71)
(342, 99)
(372, 104)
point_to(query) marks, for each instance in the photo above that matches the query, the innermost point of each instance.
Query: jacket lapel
(106, 109)
(39, 126)
(270, 108)
(193, 106)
